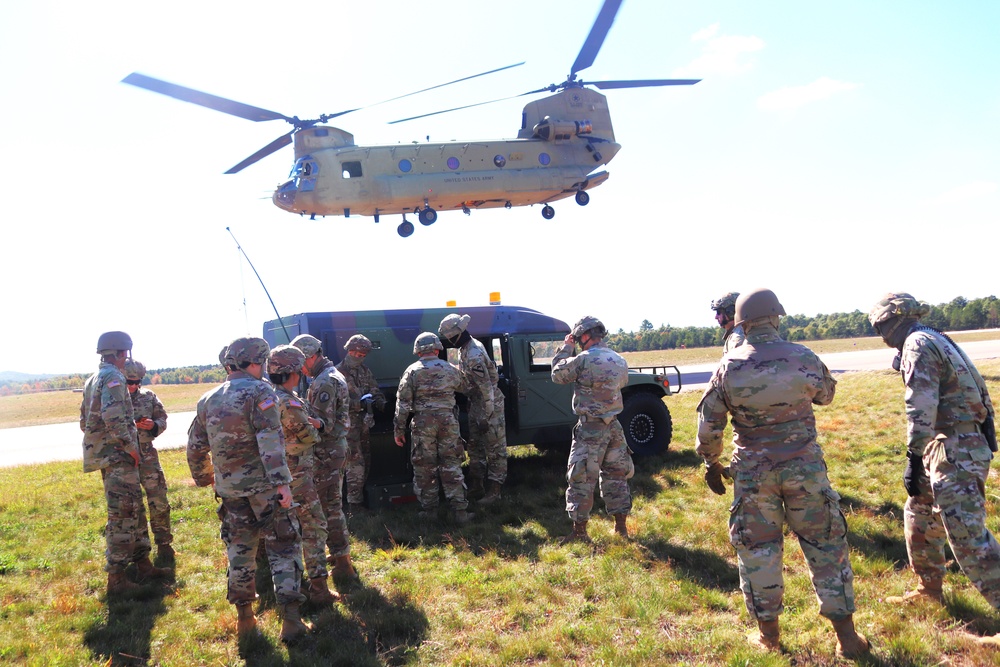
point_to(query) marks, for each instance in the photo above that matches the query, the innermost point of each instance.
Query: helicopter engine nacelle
(561, 130)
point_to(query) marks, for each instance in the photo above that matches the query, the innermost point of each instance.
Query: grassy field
(500, 591)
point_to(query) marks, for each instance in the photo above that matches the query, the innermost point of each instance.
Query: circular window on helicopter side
(499, 161)
(544, 159)
(453, 163)
(405, 166)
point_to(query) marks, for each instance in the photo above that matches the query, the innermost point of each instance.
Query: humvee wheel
(647, 424)
(405, 228)
(548, 212)
(427, 216)
(582, 198)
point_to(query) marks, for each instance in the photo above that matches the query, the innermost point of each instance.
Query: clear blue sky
(833, 151)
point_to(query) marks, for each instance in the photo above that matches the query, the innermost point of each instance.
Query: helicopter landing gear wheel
(427, 216)
(548, 212)
(582, 198)
(405, 228)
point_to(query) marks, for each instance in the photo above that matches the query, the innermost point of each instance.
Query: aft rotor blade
(467, 106)
(442, 85)
(596, 37)
(278, 143)
(200, 98)
(642, 83)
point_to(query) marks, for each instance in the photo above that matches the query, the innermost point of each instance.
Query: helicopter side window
(351, 169)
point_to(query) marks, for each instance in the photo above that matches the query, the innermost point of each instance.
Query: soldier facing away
(769, 386)
(599, 451)
(365, 395)
(725, 316)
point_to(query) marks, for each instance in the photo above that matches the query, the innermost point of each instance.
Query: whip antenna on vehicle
(280, 321)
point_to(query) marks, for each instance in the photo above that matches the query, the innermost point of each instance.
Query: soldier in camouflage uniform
(110, 444)
(487, 423)
(599, 451)
(151, 421)
(725, 314)
(769, 386)
(947, 454)
(284, 368)
(427, 391)
(364, 395)
(235, 445)
(329, 399)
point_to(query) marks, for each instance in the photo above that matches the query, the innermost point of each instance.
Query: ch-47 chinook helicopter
(563, 140)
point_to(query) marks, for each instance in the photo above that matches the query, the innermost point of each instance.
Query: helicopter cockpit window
(351, 169)
(304, 168)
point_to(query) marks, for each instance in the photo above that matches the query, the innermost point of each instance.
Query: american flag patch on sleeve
(266, 404)
(295, 404)
(114, 383)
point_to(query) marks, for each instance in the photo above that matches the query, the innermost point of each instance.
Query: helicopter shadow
(123, 639)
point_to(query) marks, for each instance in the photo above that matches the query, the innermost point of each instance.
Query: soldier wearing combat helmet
(725, 315)
(949, 425)
(365, 395)
(597, 374)
(487, 424)
(769, 386)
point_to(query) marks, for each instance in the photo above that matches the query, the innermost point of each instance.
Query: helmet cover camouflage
(285, 359)
(453, 325)
(426, 343)
(756, 304)
(249, 350)
(897, 304)
(110, 342)
(134, 370)
(588, 323)
(726, 302)
(225, 358)
(309, 345)
(358, 343)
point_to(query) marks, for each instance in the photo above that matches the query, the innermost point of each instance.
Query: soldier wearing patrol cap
(769, 386)
(110, 444)
(487, 424)
(599, 451)
(427, 391)
(950, 418)
(235, 445)
(151, 421)
(365, 395)
(725, 315)
(329, 398)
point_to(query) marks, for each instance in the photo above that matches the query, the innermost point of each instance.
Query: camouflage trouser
(125, 533)
(359, 457)
(952, 507)
(598, 452)
(799, 492)
(329, 478)
(488, 447)
(155, 484)
(244, 522)
(310, 513)
(437, 453)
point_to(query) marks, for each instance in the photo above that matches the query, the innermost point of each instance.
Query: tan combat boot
(320, 593)
(768, 635)
(579, 534)
(850, 644)
(342, 567)
(620, 526)
(146, 570)
(118, 584)
(293, 627)
(463, 517)
(926, 590)
(246, 622)
(492, 493)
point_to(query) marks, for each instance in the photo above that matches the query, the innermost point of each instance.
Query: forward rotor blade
(200, 98)
(642, 83)
(467, 106)
(596, 37)
(278, 143)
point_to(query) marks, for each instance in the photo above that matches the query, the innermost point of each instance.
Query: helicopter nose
(284, 196)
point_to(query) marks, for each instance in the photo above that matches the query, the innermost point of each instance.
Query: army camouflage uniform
(599, 451)
(145, 404)
(360, 381)
(769, 385)
(236, 442)
(487, 423)
(427, 391)
(300, 438)
(944, 407)
(109, 444)
(733, 339)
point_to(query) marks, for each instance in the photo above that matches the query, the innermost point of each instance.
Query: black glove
(713, 477)
(914, 471)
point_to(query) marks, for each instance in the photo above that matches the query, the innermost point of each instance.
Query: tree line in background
(959, 314)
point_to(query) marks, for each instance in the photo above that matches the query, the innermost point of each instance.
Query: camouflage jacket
(300, 435)
(235, 439)
(427, 385)
(360, 381)
(769, 386)
(733, 339)
(329, 399)
(942, 390)
(106, 419)
(146, 404)
(481, 374)
(598, 374)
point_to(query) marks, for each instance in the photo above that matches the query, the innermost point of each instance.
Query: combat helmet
(134, 370)
(358, 343)
(726, 303)
(225, 358)
(897, 304)
(453, 325)
(589, 323)
(110, 342)
(249, 350)
(427, 342)
(285, 360)
(756, 304)
(309, 345)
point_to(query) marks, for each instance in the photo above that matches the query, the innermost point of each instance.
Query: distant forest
(959, 314)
